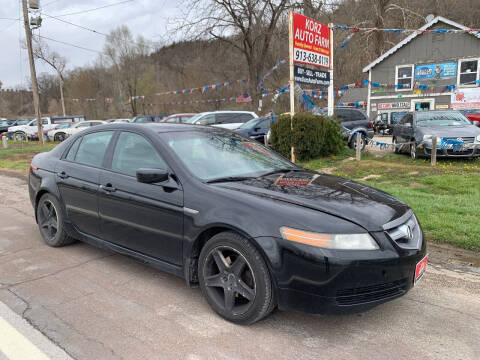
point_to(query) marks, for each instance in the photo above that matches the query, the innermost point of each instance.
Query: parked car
(178, 118)
(225, 119)
(111, 121)
(353, 121)
(473, 116)
(252, 229)
(61, 134)
(30, 131)
(415, 131)
(148, 118)
(257, 128)
(5, 124)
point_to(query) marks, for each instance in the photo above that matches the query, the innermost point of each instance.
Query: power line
(94, 9)
(69, 44)
(79, 26)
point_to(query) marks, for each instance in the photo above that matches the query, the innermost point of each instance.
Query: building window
(404, 77)
(468, 72)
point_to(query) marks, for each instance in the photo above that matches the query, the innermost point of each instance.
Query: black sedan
(455, 135)
(257, 128)
(253, 230)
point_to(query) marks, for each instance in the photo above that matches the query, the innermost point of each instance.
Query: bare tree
(57, 62)
(246, 25)
(129, 59)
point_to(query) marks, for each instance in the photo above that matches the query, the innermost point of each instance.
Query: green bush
(312, 136)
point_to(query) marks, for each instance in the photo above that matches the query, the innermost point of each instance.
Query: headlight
(478, 138)
(330, 241)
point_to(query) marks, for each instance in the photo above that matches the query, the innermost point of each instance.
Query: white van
(225, 119)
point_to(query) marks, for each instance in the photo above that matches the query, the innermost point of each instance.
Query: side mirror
(256, 129)
(152, 176)
(476, 123)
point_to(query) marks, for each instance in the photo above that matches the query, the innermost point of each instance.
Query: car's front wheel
(235, 279)
(50, 219)
(353, 142)
(20, 136)
(413, 151)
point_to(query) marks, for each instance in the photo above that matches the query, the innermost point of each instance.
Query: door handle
(108, 188)
(62, 175)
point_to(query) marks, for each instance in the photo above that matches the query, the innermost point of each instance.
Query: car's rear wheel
(50, 219)
(59, 137)
(353, 142)
(20, 136)
(235, 279)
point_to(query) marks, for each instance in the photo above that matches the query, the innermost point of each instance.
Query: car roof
(157, 127)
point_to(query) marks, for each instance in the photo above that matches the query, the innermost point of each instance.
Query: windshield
(193, 118)
(65, 126)
(23, 122)
(4, 123)
(441, 118)
(250, 124)
(215, 155)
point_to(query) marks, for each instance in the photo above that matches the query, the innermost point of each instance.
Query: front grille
(407, 235)
(466, 140)
(371, 293)
(459, 153)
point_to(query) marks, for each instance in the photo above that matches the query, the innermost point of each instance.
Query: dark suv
(353, 120)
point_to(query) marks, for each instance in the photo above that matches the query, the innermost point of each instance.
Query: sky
(148, 18)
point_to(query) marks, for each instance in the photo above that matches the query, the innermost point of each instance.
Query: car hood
(361, 204)
(17, 128)
(448, 131)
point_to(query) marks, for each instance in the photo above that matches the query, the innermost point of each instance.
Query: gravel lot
(98, 305)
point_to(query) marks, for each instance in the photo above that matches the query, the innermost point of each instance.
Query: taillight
(371, 124)
(33, 167)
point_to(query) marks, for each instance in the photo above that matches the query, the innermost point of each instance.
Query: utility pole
(33, 74)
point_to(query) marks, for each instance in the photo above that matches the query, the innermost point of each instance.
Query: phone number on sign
(309, 57)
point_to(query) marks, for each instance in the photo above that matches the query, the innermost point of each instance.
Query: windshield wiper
(229, 178)
(278, 171)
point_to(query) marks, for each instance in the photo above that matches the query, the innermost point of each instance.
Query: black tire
(353, 142)
(396, 150)
(235, 279)
(50, 218)
(20, 136)
(59, 137)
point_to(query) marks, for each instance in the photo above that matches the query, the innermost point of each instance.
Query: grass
(446, 198)
(19, 155)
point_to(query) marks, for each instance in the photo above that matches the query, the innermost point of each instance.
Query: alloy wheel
(413, 151)
(48, 219)
(229, 280)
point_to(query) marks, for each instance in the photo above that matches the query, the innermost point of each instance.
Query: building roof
(413, 35)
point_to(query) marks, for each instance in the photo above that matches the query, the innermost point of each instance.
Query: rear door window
(73, 150)
(93, 147)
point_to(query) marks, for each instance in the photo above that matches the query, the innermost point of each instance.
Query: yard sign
(311, 41)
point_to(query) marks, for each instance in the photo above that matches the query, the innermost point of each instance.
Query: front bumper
(468, 152)
(320, 281)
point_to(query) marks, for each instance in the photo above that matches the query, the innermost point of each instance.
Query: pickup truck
(29, 131)
(353, 120)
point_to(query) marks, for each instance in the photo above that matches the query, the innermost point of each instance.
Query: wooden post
(331, 89)
(434, 151)
(265, 140)
(358, 147)
(292, 80)
(33, 74)
(4, 142)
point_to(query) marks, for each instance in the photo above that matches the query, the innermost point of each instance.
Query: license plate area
(420, 269)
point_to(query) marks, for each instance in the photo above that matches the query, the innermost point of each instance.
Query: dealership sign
(311, 41)
(466, 99)
(395, 105)
(306, 76)
(436, 71)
